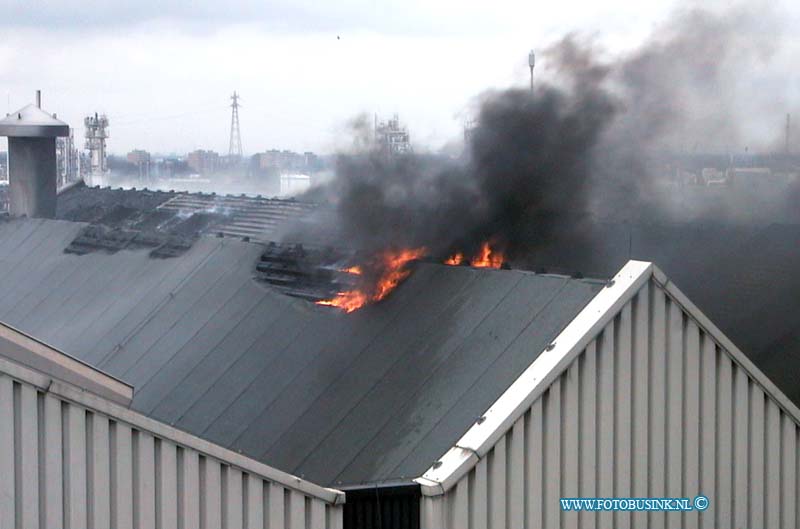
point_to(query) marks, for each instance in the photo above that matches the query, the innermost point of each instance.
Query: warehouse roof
(376, 395)
(146, 215)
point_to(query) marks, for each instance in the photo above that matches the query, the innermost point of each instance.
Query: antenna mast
(531, 64)
(235, 149)
(788, 130)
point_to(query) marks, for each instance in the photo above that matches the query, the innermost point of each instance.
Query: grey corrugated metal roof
(376, 395)
(153, 212)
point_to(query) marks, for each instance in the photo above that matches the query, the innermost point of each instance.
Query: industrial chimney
(32, 171)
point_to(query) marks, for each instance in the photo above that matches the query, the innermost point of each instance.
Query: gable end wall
(653, 406)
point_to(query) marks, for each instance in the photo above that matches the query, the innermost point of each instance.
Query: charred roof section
(168, 223)
(307, 272)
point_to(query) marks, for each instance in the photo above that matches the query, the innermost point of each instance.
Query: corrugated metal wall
(652, 407)
(63, 466)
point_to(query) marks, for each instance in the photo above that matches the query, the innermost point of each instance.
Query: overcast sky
(164, 71)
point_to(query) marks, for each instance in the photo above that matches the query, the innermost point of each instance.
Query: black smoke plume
(545, 165)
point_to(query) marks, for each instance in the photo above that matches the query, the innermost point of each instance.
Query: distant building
(312, 162)
(285, 172)
(294, 184)
(287, 162)
(170, 167)
(391, 138)
(203, 162)
(141, 159)
(138, 157)
(97, 133)
(749, 176)
(282, 161)
(229, 162)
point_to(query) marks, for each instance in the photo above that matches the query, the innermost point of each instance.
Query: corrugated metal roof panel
(371, 396)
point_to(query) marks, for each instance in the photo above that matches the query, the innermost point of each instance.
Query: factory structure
(223, 395)
(96, 135)
(273, 172)
(193, 381)
(72, 164)
(391, 137)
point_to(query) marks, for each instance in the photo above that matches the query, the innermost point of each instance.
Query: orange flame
(394, 270)
(355, 270)
(392, 267)
(455, 259)
(347, 301)
(487, 257)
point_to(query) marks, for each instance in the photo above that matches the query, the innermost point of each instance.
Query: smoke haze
(583, 146)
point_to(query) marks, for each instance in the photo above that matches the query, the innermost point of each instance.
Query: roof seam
(167, 332)
(23, 297)
(342, 373)
(157, 308)
(533, 318)
(366, 392)
(233, 364)
(430, 376)
(210, 351)
(165, 278)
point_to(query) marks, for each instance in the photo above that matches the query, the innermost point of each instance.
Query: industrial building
(466, 397)
(392, 138)
(97, 132)
(162, 364)
(69, 160)
(141, 160)
(203, 162)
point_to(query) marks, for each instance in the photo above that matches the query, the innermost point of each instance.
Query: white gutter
(28, 351)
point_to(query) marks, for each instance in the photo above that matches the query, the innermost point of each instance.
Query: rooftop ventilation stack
(32, 170)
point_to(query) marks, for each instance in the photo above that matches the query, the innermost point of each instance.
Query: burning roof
(348, 280)
(305, 388)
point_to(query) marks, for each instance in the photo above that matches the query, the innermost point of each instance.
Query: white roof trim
(500, 417)
(35, 354)
(102, 405)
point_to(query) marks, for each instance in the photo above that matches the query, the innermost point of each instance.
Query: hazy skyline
(164, 73)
